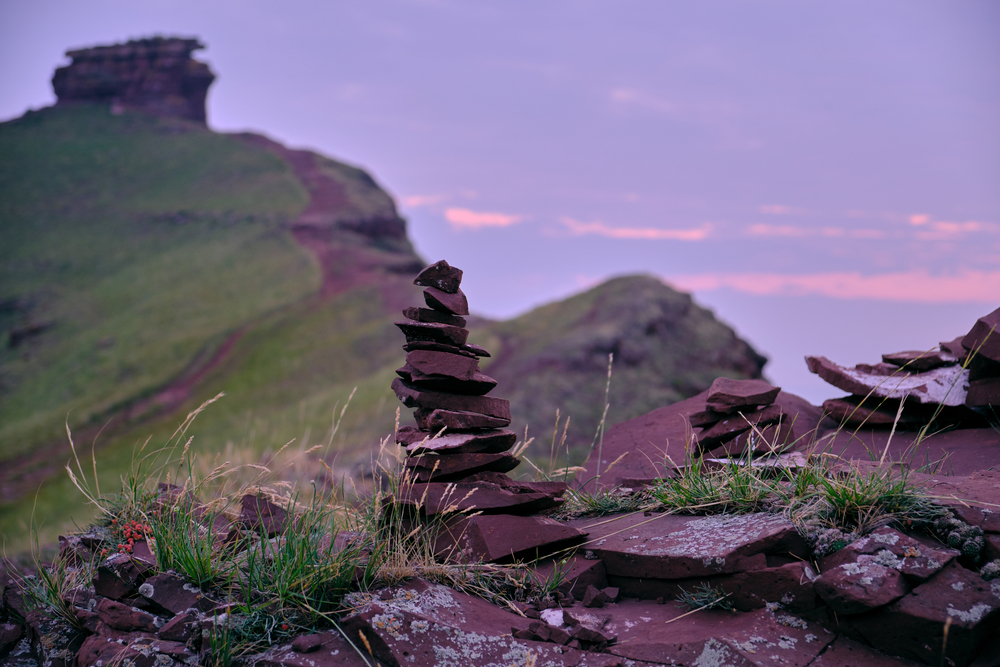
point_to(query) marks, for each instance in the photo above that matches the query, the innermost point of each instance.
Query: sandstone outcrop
(155, 75)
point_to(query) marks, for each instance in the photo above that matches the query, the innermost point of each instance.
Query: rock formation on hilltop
(156, 75)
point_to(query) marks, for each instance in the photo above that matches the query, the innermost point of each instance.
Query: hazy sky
(824, 175)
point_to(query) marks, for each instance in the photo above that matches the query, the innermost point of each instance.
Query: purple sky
(824, 175)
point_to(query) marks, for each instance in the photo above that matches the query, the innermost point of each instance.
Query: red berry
(284, 626)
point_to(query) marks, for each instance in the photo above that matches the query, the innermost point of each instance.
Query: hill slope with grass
(150, 264)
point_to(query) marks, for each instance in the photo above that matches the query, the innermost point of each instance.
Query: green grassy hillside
(149, 264)
(138, 242)
(140, 246)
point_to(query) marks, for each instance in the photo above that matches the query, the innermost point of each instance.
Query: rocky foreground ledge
(690, 540)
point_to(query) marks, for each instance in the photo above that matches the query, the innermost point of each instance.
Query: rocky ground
(622, 570)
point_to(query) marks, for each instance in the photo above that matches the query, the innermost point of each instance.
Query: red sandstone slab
(414, 397)
(735, 424)
(919, 361)
(706, 418)
(478, 385)
(429, 315)
(453, 304)
(430, 363)
(449, 497)
(412, 345)
(874, 412)
(844, 652)
(478, 442)
(726, 395)
(670, 546)
(432, 332)
(914, 626)
(941, 386)
(645, 446)
(456, 466)
(767, 440)
(424, 625)
(983, 393)
(956, 452)
(435, 420)
(440, 275)
(659, 634)
(984, 337)
(576, 572)
(860, 585)
(328, 649)
(916, 560)
(504, 539)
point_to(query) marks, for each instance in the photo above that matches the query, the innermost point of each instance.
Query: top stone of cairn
(441, 276)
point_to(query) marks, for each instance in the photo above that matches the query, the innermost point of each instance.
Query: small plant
(705, 596)
(959, 535)
(582, 503)
(825, 541)
(991, 570)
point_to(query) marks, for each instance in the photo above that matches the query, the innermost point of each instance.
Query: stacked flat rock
(459, 450)
(949, 379)
(740, 414)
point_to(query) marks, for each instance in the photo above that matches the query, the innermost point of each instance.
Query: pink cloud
(463, 217)
(415, 201)
(648, 233)
(761, 229)
(779, 209)
(776, 230)
(915, 286)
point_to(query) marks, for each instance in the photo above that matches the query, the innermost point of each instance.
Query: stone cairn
(459, 451)
(740, 414)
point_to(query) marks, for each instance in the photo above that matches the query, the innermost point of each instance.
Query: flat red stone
(453, 304)
(429, 315)
(433, 332)
(440, 275)
(726, 395)
(414, 397)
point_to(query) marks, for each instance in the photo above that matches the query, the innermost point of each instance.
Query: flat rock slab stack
(740, 414)
(459, 450)
(956, 381)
